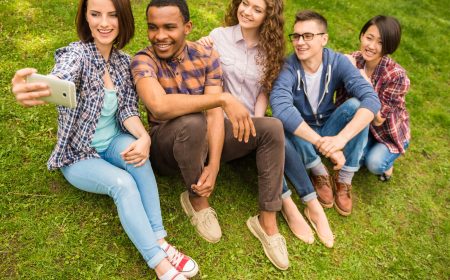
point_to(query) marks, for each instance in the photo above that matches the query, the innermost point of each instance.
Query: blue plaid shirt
(83, 64)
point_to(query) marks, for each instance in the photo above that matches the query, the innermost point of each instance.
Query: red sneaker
(184, 264)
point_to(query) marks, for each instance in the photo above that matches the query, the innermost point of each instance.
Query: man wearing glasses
(302, 98)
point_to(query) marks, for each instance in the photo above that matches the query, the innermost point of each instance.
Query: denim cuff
(286, 194)
(309, 197)
(350, 168)
(160, 234)
(156, 259)
(313, 163)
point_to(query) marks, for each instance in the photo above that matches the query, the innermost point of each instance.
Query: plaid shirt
(82, 64)
(188, 73)
(392, 84)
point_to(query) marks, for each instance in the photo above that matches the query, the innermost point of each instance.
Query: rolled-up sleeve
(142, 66)
(393, 95)
(68, 63)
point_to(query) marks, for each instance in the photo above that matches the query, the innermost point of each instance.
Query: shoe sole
(264, 248)
(342, 212)
(185, 209)
(190, 274)
(301, 237)
(325, 205)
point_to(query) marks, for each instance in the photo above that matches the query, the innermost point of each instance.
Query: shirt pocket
(228, 66)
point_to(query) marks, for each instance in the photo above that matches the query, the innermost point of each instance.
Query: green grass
(399, 230)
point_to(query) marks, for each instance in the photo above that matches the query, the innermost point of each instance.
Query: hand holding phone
(61, 92)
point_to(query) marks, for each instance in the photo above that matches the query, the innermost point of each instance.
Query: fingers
(203, 177)
(241, 130)
(235, 127)
(21, 74)
(246, 130)
(128, 149)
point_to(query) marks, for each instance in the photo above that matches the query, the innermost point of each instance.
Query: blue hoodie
(291, 105)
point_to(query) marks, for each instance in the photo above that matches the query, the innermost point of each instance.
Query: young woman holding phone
(102, 146)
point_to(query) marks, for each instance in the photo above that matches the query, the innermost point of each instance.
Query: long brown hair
(271, 40)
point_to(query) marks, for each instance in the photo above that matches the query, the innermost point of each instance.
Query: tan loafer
(274, 245)
(205, 221)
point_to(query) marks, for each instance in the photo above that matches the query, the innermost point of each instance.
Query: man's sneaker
(343, 197)
(205, 220)
(274, 245)
(323, 186)
(184, 264)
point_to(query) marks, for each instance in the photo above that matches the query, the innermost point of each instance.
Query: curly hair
(271, 47)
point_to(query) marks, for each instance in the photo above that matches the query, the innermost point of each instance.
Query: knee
(193, 128)
(351, 105)
(125, 186)
(375, 164)
(273, 129)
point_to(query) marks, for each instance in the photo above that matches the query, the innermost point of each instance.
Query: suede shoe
(205, 221)
(323, 186)
(274, 246)
(343, 197)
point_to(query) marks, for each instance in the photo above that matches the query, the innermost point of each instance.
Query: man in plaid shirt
(180, 83)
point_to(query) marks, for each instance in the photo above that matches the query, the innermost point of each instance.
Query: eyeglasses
(295, 37)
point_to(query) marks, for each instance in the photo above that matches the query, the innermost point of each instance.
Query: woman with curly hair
(251, 49)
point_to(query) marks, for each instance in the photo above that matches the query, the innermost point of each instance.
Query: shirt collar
(97, 58)
(238, 38)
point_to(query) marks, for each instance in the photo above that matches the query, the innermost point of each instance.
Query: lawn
(399, 230)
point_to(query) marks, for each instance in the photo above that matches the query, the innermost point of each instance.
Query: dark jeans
(181, 145)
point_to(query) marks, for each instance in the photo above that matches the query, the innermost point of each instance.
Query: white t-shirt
(312, 89)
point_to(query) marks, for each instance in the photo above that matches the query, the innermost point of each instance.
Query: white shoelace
(174, 256)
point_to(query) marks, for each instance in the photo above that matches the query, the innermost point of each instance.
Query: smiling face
(167, 30)
(103, 22)
(251, 13)
(371, 45)
(309, 50)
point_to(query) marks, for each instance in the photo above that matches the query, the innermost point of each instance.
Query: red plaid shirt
(392, 84)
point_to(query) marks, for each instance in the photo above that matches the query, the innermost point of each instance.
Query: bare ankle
(268, 222)
(199, 202)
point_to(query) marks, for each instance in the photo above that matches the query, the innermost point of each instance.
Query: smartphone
(61, 92)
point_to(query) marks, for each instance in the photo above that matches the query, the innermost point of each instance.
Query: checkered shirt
(392, 84)
(82, 64)
(188, 73)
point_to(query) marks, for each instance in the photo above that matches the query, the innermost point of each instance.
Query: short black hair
(390, 32)
(181, 4)
(306, 15)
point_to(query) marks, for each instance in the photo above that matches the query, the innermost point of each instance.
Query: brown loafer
(323, 186)
(343, 197)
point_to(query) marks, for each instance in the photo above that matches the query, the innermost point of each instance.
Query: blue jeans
(377, 157)
(296, 172)
(134, 192)
(353, 151)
